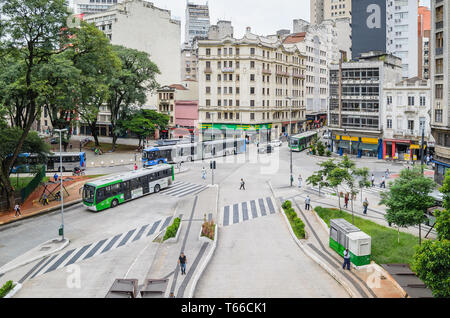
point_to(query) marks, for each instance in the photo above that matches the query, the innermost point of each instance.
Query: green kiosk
(345, 235)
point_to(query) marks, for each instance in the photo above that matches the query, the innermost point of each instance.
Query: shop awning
(370, 147)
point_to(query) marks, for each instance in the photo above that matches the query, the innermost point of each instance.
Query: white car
(276, 143)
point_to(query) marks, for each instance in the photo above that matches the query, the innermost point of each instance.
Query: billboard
(368, 26)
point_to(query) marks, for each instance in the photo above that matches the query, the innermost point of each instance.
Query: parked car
(276, 143)
(265, 148)
(54, 140)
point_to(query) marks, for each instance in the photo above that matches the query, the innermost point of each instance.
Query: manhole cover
(45, 248)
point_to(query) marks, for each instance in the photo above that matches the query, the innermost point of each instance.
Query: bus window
(100, 195)
(135, 184)
(115, 189)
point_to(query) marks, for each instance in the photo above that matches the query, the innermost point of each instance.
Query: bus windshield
(293, 141)
(151, 155)
(88, 193)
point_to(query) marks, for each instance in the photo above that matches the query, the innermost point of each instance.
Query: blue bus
(193, 151)
(70, 160)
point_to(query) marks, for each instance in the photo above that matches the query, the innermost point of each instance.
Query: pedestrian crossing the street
(181, 189)
(248, 210)
(54, 262)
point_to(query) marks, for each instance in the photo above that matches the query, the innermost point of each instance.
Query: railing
(208, 70)
(227, 69)
(267, 71)
(34, 183)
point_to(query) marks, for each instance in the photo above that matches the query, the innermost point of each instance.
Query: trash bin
(61, 231)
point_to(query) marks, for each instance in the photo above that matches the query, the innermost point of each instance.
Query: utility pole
(290, 134)
(421, 166)
(61, 181)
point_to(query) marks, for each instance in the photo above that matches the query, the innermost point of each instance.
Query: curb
(36, 257)
(174, 239)
(309, 253)
(41, 212)
(13, 291)
(209, 256)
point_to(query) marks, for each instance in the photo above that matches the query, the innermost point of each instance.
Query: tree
(408, 199)
(130, 86)
(144, 122)
(31, 32)
(349, 166)
(93, 56)
(363, 179)
(320, 148)
(432, 265)
(443, 217)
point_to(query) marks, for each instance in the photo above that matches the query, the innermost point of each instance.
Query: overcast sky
(263, 16)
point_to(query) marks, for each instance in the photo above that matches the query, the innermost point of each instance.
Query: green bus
(302, 141)
(111, 191)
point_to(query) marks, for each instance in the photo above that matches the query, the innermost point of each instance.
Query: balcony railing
(298, 75)
(208, 70)
(266, 71)
(411, 109)
(281, 73)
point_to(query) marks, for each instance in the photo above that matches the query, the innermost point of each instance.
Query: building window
(237, 104)
(237, 115)
(208, 115)
(410, 100)
(252, 77)
(423, 100)
(252, 51)
(389, 124)
(252, 64)
(438, 115)
(219, 52)
(252, 90)
(208, 77)
(219, 115)
(252, 116)
(208, 90)
(389, 100)
(252, 103)
(208, 103)
(208, 52)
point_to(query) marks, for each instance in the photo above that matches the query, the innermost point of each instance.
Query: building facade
(440, 68)
(405, 114)
(197, 21)
(319, 44)
(356, 94)
(250, 87)
(317, 11)
(92, 6)
(424, 33)
(321, 10)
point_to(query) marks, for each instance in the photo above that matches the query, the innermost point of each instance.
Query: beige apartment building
(321, 10)
(248, 86)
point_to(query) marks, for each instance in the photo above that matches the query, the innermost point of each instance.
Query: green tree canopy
(144, 122)
(408, 198)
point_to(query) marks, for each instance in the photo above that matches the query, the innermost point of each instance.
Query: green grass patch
(385, 248)
(105, 147)
(296, 223)
(22, 182)
(6, 288)
(172, 229)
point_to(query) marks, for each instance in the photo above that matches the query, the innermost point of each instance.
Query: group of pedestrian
(383, 179)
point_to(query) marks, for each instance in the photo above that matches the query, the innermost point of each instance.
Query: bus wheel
(114, 203)
(156, 188)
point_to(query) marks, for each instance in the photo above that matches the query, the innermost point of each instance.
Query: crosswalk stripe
(141, 231)
(111, 243)
(95, 249)
(44, 266)
(235, 213)
(126, 238)
(253, 207)
(244, 211)
(78, 254)
(190, 190)
(270, 204)
(172, 190)
(166, 223)
(59, 261)
(154, 227)
(226, 215)
(262, 207)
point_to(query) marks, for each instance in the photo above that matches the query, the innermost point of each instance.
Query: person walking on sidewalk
(365, 205)
(17, 209)
(203, 173)
(242, 185)
(300, 180)
(346, 259)
(373, 180)
(55, 176)
(44, 199)
(386, 173)
(182, 260)
(346, 200)
(135, 167)
(307, 202)
(383, 182)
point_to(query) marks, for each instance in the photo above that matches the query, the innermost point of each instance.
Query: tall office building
(197, 21)
(423, 49)
(316, 13)
(440, 85)
(321, 10)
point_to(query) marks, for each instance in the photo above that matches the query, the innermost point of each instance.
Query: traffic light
(212, 165)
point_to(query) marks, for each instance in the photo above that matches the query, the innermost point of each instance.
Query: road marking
(95, 249)
(154, 227)
(139, 234)
(126, 238)
(245, 211)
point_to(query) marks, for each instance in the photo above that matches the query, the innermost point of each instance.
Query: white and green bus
(114, 190)
(302, 141)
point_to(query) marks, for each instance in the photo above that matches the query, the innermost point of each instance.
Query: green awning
(370, 147)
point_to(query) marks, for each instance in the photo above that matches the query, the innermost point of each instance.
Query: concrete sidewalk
(198, 250)
(357, 281)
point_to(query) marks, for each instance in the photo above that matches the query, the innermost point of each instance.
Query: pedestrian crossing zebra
(54, 262)
(244, 211)
(180, 189)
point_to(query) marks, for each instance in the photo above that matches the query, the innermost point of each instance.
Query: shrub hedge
(172, 229)
(6, 288)
(296, 223)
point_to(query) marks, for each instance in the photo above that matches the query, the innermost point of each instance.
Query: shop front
(358, 146)
(403, 150)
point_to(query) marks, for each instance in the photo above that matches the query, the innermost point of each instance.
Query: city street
(254, 247)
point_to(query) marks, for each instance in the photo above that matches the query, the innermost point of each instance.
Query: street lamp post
(421, 166)
(61, 181)
(290, 133)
